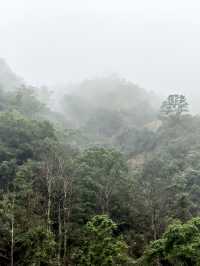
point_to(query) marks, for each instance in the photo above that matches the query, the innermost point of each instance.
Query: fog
(155, 44)
(99, 132)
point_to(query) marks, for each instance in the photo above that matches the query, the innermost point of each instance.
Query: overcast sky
(155, 43)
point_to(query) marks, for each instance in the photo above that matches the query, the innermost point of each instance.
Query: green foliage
(21, 139)
(180, 245)
(135, 140)
(101, 246)
(25, 102)
(174, 105)
(100, 176)
(36, 247)
(55, 177)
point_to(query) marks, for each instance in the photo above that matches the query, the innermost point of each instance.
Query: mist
(99, 132)
(152, 43)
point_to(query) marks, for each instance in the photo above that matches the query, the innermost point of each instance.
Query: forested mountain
(110, 180)
(109, 111)
(109, 94)
(8, 79)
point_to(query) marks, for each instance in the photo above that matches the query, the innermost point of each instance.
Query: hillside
(106, 109)
(8, 79)
(104, 182)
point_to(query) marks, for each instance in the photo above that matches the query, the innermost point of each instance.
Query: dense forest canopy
(107, 178)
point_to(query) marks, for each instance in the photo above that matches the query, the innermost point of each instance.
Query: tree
(62, 205)
(13, 214)
(101, 177)
(24, 100)
(175, 104)
(7, 232)
(37, 247)
(180, 245)
(101, 246)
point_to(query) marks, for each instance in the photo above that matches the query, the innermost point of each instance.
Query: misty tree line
(106, 188)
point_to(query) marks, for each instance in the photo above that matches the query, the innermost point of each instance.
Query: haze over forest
(99, 133)
(154, 44)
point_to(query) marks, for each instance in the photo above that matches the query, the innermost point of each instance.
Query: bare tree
(12, 230)
(68, 191)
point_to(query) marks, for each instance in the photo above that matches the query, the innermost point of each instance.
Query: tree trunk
(67, 212)
(12, 233)
(49, 205)
(154, 229)
(65, 227)
(60, 234)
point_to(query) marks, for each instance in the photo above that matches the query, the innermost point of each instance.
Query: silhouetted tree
(175, 104)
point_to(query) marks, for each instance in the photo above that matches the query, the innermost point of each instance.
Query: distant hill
(8, 79)
(110, 94)
(110, 111)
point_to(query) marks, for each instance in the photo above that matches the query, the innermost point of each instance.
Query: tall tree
(101, 175)
(180, 245)
(101, 246)
(175, 104)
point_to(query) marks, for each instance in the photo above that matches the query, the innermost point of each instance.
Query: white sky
(155, 43)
